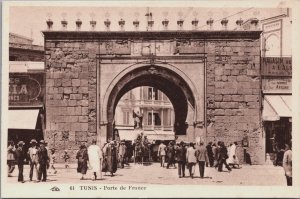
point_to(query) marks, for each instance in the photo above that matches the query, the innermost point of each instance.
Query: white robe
(95, 155)
(231, 159)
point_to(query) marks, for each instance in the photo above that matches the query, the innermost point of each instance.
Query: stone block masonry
(233, 95)
(71, 88)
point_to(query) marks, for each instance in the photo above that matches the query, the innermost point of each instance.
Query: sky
(30, 21)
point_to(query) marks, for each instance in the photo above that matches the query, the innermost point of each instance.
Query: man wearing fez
(33, 159)
(43, 160)
(20, 156)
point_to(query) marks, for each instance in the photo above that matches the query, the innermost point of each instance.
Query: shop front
(26, 107)
(277, 106)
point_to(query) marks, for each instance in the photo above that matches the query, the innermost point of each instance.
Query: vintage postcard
(150, 99)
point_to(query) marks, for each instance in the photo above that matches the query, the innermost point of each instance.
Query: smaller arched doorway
(179, 92)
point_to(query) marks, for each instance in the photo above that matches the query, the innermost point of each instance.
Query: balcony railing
(147, 127)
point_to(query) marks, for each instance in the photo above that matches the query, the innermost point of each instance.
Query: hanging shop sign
(26, 89)
(277, 66)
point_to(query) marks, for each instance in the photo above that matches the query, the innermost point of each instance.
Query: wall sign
(277, 85)
(277, 66)
(26, 88)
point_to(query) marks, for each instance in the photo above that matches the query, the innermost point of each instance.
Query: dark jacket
(223, 153)
(170, 151)
(43, 157)
(20, 156)
(180, 154)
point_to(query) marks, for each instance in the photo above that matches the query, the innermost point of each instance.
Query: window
(152, 93)
(125, 117)
(149, 118)
(157, 120)
(155, 116)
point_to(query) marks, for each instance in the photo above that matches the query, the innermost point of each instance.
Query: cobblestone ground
(154, 174)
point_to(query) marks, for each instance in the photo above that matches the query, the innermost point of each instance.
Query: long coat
(82, 156)
(95, 154)
(111, 159)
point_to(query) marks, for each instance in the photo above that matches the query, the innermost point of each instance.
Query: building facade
(26, 114)
(154, 105)
(212, 77)
(277, 83)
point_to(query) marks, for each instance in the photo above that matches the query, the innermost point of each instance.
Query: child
(66, 157)
(52, 161)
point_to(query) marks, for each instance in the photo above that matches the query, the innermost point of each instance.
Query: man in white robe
(95, 159)
(233, 159)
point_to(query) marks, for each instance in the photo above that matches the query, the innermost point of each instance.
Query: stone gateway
(212, 78)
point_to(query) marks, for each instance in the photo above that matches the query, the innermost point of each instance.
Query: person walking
(111, 158)
(11, 157)
(171, 154)
(52, 161)
(215, 150)
(66, 158)
(233, 159)
(121, 153)
(180, 155)
(202, 158)
(162, 154)
(83, 159)
(20, 157)
(287, 165)
(33, 159)
(223, 155)
(191, 159)
(95, 159)
(43, 160)
(210, 154)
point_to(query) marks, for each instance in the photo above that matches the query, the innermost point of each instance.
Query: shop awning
(151, 135)
(276, 106)
(22, 119)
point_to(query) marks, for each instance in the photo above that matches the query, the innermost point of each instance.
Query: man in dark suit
(202, 157)
(210, 154)
(43, 160)
(20, 156)
(223, 155)
(180, 155)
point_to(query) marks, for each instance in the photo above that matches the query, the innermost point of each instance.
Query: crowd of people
(189, 155)
(39, 159)
(115, 154)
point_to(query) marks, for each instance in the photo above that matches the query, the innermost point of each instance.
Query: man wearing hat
(180, 155)
(33, 159)
(43, 160)
(20, 156)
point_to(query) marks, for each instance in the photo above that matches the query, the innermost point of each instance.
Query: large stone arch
(168, 78)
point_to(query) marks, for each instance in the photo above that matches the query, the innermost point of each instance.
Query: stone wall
(70, 94)
(232, 78)
(233, 95)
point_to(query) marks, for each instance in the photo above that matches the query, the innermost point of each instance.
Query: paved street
(154, 174)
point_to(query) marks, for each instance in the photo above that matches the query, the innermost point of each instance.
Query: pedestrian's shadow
(206, 177)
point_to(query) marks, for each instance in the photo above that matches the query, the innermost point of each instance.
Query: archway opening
(155, 110)
(163, 79)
